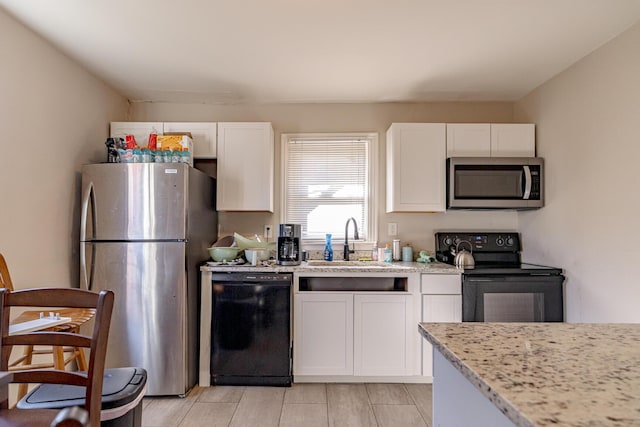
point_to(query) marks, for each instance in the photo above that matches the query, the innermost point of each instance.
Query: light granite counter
(359, 267)
(547, 374)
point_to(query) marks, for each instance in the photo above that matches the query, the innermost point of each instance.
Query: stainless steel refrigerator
(145, 229)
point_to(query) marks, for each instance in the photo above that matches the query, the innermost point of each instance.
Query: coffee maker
(288, 244)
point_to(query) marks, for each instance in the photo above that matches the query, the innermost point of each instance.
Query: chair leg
(58, 358)
(78, 353)
(81, 359)
(28, 358)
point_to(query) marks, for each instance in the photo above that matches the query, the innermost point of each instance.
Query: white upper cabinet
(491, 140)
(513, 140)
(416, 154)
(203, 134)
(245, 167)
(468, 140)
(140, 130)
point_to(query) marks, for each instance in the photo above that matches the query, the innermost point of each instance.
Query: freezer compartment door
(134, 201)
(149, 325)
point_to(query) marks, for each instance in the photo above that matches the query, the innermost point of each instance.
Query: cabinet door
(438, 308)
(140, 130)
(513, 140)
(245, 167)
(382, 335)
(323, 335)
(468, 140)
(416, 167)
(204, 137)
(441, 284)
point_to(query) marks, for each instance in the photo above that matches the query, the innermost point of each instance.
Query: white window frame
(372, 140)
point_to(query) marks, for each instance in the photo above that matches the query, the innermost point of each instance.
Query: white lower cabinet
(381, 328)
(441, 302)
(323, 334)
(353, 334)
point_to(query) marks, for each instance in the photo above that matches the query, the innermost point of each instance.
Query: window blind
(326, 184)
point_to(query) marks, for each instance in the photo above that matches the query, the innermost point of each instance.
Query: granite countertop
(544, 374)
(358, 267)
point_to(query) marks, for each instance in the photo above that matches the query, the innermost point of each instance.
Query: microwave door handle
(527, 182)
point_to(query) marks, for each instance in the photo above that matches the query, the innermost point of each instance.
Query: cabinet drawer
(446, 284)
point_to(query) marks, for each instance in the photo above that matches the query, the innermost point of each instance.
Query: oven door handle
(491, 279)
(527, 182)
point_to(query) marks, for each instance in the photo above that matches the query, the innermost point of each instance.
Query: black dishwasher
(251, 329)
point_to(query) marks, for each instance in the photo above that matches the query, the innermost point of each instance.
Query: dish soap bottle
(374, 252)
(328, 250)
(388, 255)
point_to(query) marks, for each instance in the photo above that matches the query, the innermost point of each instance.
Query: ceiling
(321, 51)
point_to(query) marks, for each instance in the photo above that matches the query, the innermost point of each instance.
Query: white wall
(588, 130)
(417, 228)
(54, 117)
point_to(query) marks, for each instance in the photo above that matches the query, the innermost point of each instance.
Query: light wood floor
(301, 405)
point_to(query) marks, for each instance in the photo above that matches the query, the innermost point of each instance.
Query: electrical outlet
(392, 229)
(268, 232)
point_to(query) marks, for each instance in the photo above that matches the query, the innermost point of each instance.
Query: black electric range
(494, 252)
(501, 288)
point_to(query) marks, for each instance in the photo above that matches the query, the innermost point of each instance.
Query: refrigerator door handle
(83, 266)
(87, 196)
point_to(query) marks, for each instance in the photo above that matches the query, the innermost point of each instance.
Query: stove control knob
(510, 241)
(500, 241)
(448, 241)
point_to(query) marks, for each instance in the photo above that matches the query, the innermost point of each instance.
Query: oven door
(512, 298)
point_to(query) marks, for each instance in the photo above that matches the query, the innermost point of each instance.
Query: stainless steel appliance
(501, 288)
(288, 249)
(251, 340)
(495, 183)
(145, 229)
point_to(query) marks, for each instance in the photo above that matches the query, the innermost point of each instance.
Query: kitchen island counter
(542, 374)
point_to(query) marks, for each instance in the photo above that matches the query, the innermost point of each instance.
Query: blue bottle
(328, 250)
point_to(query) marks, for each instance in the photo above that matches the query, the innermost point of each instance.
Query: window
(329, 178)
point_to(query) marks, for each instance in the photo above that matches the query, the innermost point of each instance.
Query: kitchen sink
(350, 264)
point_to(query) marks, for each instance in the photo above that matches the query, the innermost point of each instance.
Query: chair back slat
(50, 376)
(61, 339)
(97, 343)
(66, 297)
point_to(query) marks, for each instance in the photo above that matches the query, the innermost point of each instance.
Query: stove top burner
(522, 268)
(494, 252)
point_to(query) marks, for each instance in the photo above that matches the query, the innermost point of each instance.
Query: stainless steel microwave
(495, 182)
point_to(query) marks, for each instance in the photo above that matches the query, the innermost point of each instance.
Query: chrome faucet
(347, 251)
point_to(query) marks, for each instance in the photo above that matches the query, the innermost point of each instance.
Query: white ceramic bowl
(222, 253)
(261, 254)
(244, 243)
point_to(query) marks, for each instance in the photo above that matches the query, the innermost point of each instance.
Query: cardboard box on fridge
(176, 141)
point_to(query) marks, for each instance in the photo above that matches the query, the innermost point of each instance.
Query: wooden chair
(59, 355)
(92, 379)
